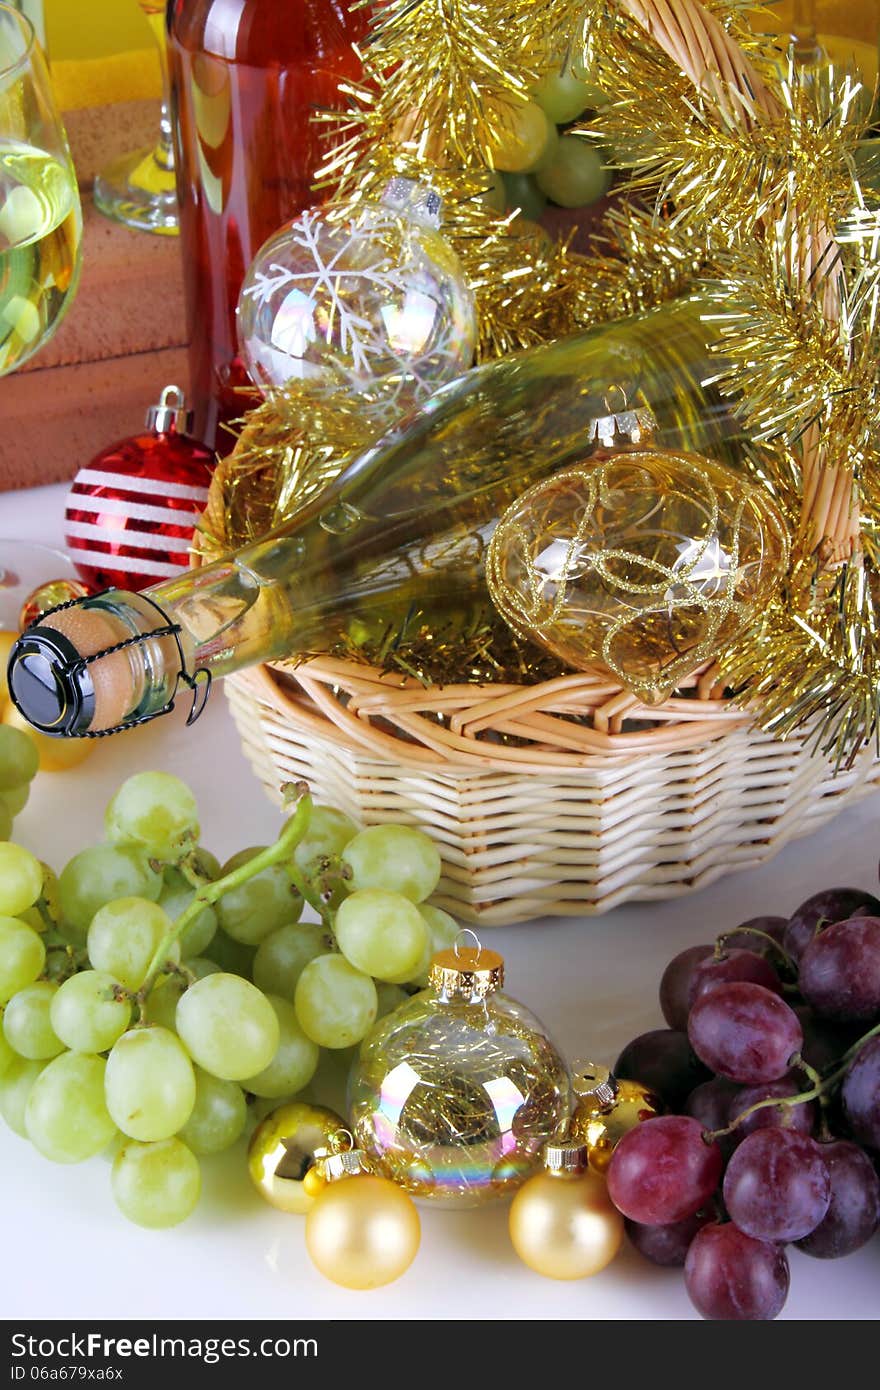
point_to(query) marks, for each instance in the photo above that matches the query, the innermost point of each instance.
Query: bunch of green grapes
(153, 1000)
(537, 156)
(18, 768)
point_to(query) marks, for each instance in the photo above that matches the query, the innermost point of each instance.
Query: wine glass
(40, 215)
(40, 241)
(138, 188)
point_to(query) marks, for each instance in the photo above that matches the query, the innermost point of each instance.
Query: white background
(68, 1253)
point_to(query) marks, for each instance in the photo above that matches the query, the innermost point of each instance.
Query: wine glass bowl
(139, 189)
(40, 214)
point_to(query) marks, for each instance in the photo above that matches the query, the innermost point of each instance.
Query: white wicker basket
(571, 836)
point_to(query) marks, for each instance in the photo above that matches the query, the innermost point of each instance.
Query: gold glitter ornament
(606, 1109)
(362, 1231)
(562, 1222)
(455, 1092)
(49, 595)
(641, 560)
(283, 1152)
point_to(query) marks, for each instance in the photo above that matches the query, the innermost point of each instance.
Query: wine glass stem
(164, 151)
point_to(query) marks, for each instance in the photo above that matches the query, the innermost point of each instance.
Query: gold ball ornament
(362, 1231)
(283, 1152)
(607, 1108)
(562, 1222)
(50, 595)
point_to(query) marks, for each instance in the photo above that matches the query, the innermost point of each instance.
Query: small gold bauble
(363, 1232)
(49, 595)
(281, 1155)
(601, 1124)
(565, 1226)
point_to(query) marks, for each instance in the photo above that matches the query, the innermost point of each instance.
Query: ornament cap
(466, 972)
(417, 201)
(621, 425)
(345, 1163)
(170, 413)
(591, 1079)
(564, 1157)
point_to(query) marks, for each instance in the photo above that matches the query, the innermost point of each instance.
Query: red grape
(744, 1032)
(801, 1117)
(831, 905)
(861, 1094)
(840, 970)
(824, 1043)
(668, 1245)
(710, 1104)
(744, 936)
(732, 965)
(777, 1185)
(854, 1213)
(663, 1170)
(731, 1277)
(664, 1062)
(675, 985)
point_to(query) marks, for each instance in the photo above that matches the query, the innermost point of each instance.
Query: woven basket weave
(568, 797)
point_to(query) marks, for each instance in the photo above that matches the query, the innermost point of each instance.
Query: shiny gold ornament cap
(562, 1157)
(345, 1164)
(466, 972)
(591, 1079)
(622, 425)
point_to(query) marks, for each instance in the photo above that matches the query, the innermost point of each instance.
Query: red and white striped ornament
(131, 512)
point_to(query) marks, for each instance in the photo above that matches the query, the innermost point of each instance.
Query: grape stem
(208, 893)
(817, 1091)
(722, 940)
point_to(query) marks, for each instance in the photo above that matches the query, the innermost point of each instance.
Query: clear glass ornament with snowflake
(377, 300)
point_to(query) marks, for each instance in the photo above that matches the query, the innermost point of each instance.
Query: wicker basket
(568, 797)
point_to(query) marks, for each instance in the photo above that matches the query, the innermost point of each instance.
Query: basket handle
(717, 66)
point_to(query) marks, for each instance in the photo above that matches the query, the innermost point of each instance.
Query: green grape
(15, 1087)
(156, 810)
(328, 833)
(100, 875)
(396, 858)
(563, 96)
(21, 878)
(7, 1054)
(19, 758)
(494, 197)
(522, 192)
(228, 1026)
(6, 819)
(16, 798)
(259, 906)
(163, 1000)
(335, 1003)
(577, 176)
(295, 1060)
(218, 1117)
(85, 1014)
(156, 1185)
(124, 937)
(200, 932)
(390, 997)
(27, 1022)
(523, 134)
(233, 957)
(383, 934)
(150, 1084)
(22, 956)
(202, 860)
(66, 1116)
(282, 957)
(200, 966)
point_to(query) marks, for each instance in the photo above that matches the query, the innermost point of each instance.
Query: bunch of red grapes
(771, 1063)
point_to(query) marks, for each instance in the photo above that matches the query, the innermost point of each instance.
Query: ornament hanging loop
(462, 937)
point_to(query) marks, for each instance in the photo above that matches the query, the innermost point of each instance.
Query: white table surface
(593, 982)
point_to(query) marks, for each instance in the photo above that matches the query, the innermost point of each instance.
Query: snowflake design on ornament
(343, 285)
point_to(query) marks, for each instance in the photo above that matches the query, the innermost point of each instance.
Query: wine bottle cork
(93, 630)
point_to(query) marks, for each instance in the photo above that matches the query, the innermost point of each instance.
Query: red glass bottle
(246, 79)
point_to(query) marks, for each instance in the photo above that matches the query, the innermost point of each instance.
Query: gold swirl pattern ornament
(640, 560)
(456, 1092)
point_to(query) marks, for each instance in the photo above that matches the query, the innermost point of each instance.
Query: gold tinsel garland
(752, 185)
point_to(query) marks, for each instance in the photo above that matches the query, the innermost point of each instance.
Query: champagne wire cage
(569, 796)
